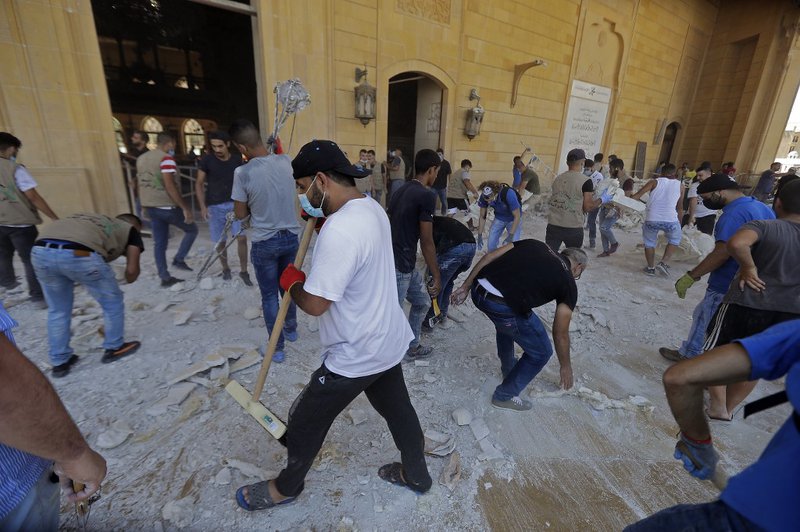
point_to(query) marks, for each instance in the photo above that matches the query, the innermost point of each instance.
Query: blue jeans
(58, 270)
(608, 217)
(452, 263)
(38, 510)
(528, 332)
(160, 220)
(270, 257)
(411, 287)
(217, 218)
(671, 229)
(701, 317)
(591, 223)
(441, 193)
(496, 231)
(708, 517)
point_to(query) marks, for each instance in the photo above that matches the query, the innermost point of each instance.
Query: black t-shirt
(531, 275)
(410, 205)
(444, 172)
(219, 177)
(588, 186)
(135, 239)
(449, 233)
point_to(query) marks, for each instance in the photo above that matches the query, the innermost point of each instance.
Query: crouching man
(506, 285)
(363, 330)
(77, 249)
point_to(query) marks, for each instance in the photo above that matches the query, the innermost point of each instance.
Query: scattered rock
(357, 416)
(246, 361)
(451, 473)
(207, 283)
(179, 512)
(422, 363)
(117, 433)
(210, 361)
(462, 416)
(248, 469)
(161, 307)
(181, 317)
(489, 451)
(139, 305)
(176, 287)
(252, 313)
(313, 325)
(429, 378)
(479, 428)
(223, 478)
(220, 372)
(175, 396)
(345, 525)
(438, 443)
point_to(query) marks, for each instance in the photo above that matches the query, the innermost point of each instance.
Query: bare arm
(515, 223)
(471, 187)
(429, 252)
(200, 192)
(650, 185)
(692, 209)
(40, 203)
(308, 303)
(679, 206)
(132, 254)
(685, 381)
(240, 210)
(35, 421)
(561, 340)
(718, 256)
(482, 220)
(589, 203)
(739, 248)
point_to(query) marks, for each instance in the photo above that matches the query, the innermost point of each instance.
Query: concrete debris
(139, 305)
(479, 428)
(176, 395)
(235, 351)
(180, 512)
(177, 287)
(694, 245)
(429, 378)
(206, 283)
(345, 525)
(252, 313)
(161, 307)
(202, 381)
(462, 416)
(377, 507)
(357, 416)
(451, 473)
(438, 443)
(638, 400)
(181, 317)
(488, 451)
(422, 363)
(363, 479)
(313, 324)
(246, 361)
(220, 373)
(249, 470)
(117, 433)
(210, 361)
(223, 478)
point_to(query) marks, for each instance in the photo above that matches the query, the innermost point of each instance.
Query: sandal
(260, 498)
(393, 473)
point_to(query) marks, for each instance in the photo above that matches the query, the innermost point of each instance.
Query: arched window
(152, 127)
(193, 136)
(119, 134)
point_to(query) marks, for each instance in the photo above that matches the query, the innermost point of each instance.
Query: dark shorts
(457, 203)
(734, 322)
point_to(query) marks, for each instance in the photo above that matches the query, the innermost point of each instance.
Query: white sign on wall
(586, 120)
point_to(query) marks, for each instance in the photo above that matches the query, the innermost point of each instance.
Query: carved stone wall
(435, 10)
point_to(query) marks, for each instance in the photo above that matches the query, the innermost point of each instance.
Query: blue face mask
(314, 212)
(13, 158)
(171, 152)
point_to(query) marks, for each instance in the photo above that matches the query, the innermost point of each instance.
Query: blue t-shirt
(768, 492)
(517, 177)
(734, 215)
(503, 209)
(19, 471)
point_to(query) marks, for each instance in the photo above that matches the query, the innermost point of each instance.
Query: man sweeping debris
(363, 331)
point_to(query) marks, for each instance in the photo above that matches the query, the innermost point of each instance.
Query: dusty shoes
(127, 348)
(671, 354)
(245, 277)
(62, 370)
(515, 403)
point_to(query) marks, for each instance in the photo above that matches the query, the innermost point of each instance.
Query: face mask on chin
(314, 212)
(714, 203)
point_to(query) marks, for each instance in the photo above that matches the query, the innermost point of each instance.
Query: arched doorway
(414, 114)
(668, 142)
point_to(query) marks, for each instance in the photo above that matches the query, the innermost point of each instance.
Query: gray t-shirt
(776, 255)
(267, 186)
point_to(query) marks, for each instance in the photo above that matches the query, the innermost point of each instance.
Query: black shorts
(457, 203)
(734, 322)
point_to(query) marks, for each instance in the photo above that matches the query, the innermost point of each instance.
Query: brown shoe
(671, 354)
(127, 348)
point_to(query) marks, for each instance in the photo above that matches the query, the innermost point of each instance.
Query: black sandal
(393, 473)
(259, 496)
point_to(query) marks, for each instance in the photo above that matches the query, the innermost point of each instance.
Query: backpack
(503, 195)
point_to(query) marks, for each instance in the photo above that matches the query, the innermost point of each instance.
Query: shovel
(251, 403)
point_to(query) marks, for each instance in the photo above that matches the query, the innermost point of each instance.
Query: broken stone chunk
(451, 473)
(357, 416)
(207, 283)
(175, 396)
(479, 428)
(462, 416)
(115, 436)
(223, 478)
(181, 317)
(252, 313)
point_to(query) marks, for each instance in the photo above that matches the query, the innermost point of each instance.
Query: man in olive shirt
(77, 249)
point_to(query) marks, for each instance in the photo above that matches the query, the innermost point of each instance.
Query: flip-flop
(715, 418)
(260, 499)
(393, 473)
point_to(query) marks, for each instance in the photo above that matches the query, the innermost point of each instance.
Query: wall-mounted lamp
(474, 116)
(365, 97)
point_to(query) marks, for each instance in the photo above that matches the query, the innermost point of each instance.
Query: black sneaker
(226, 275)
(39, 302)
(418, 352)
(127, 348)
(246, 278)
(166, 283)
(62, 370)
(181, 265)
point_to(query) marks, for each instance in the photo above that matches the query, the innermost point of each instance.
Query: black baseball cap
(575, 154)
(321, 156)
(717, 182)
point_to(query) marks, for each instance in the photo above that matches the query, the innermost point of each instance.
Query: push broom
(251, 403)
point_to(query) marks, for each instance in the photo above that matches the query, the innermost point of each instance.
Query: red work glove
(304, 215)
(290, 277)
(276, 144)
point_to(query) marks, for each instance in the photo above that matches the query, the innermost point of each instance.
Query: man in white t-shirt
(20, 204)
(363, 330)
(700, 215)
(591, 170)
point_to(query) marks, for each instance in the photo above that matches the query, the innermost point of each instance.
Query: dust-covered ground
(595, 458)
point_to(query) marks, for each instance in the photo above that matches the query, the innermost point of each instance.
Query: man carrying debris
(506, 285)
(764, 291)
(609, 213)
(411, 211)
(77, 249)
(263, 189)
(216, 172)
(737, 210)
(764, 496)
(36, 431)
(363, 331)
(664, 212)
